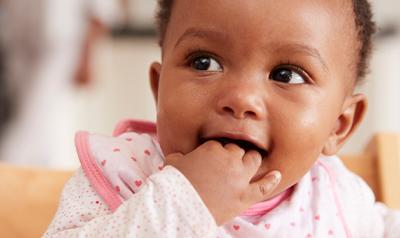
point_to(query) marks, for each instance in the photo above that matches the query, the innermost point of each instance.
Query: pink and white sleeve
(391, 219)
(166, 206)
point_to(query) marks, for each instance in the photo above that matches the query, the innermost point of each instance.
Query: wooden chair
(29, 198)
(379, 166)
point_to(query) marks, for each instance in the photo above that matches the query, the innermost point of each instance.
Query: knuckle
(212, 144)
(253, 158)
(256, 158)
(230, 146)
(235, 148)
(254, 153)
(264, 189)
(240, 150)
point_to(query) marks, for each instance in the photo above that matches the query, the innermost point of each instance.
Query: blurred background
(67, 65)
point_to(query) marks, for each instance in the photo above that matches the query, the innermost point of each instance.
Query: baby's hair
(365, 27)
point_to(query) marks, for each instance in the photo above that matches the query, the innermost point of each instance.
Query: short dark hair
(365, 27)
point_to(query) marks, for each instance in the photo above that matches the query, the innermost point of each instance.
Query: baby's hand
(221, 175)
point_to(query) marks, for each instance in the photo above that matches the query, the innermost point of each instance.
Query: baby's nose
(242, 101)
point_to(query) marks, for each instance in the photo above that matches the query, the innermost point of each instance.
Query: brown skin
(240, 95)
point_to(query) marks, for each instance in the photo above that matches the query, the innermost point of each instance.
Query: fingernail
(275, 176)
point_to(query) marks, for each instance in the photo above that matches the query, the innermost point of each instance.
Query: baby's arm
(391, 220)
(365, 216)
(375, 219)
(166, 206)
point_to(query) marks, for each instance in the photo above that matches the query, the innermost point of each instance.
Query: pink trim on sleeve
(332, 178)
(136, 126)
(102, 186)
(262, 208)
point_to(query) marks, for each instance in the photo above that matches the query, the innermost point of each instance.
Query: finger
(251, 162)
(235, 149)
(212, 144)
(172, 159)
(261, 189)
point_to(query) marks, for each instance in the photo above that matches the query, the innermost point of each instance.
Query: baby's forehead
(320, 29)
(276, 16)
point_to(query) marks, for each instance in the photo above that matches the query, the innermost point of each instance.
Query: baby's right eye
(206, 63)
(288, 75)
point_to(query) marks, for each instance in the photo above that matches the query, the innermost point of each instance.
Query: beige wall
(121, 87)
(382, 88)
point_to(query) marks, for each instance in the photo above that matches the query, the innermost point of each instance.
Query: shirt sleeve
(358, 203)
(166, 206)
(391, 219)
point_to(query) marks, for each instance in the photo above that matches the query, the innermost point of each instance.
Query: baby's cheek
(293, 168)
(297, 152)
(301, 139)
(309, 133)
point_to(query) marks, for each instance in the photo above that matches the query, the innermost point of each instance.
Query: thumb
(261, 189)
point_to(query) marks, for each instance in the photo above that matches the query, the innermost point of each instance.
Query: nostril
(239, 113)
(229, 110)
(250, 114)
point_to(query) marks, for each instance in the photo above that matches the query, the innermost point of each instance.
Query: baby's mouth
(244, 144)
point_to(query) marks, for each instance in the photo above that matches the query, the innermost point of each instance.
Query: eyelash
(295, 67)
(192, 54)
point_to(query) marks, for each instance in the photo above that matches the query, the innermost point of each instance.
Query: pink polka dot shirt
(124, 190)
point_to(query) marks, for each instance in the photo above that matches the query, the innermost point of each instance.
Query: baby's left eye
(206, 63)
(287, 75)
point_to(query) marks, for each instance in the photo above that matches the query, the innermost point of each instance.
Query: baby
(254, 98)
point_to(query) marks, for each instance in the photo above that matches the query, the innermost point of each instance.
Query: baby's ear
(353, 112)
(154, 74)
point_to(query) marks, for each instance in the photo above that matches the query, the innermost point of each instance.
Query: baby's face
(275, 76)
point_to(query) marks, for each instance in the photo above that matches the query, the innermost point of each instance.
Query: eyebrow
(305, 49)
(194, 32)
(202, 33)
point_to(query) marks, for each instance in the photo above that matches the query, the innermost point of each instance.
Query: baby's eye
(206, 63)
(287, 75)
